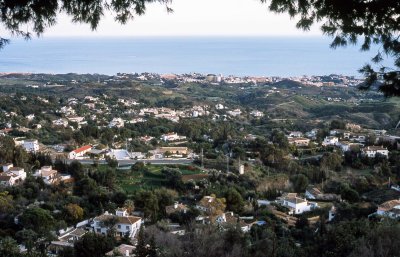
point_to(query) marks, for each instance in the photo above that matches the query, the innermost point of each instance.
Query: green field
(152, 178)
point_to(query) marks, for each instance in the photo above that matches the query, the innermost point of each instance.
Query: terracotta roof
(123, 220)
(314, 191)
(231, 219)
(128, 219)
(15, 169)
(46, 173)
(295, 200)
(171, 209)
(374, 148)
(83, 148)
(122, 249)
(298, 139)
(78, 232)
(389, 205)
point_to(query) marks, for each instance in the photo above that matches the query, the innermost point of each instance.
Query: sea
(239, 56)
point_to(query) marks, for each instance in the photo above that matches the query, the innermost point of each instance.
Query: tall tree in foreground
(37, 15)
(348, 21)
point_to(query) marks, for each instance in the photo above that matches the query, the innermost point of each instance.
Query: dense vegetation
(272, 165)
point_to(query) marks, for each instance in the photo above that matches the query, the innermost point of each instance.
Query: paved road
(131, 162)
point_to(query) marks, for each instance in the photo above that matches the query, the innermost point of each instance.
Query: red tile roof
(83, 148)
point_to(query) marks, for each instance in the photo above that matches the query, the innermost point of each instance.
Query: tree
(9, 247)
(6, 148)
(29, 238)
(21, 157)
(382, 241)
(376, 22)
(37, 219)
(138, 166)
(74, 212)
(350, 195)
(112, 162)
(129, 205)
(331, 161)
(6, 202)
(92, 244)
(174, 178)
(165, 197)
(152, 252)
(148, 201)
(141, 248)
(17, 15)
(300, 183)
(234, 201)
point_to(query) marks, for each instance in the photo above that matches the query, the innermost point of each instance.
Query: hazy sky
(191, 18)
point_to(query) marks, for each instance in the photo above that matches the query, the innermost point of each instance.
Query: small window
(119, 226)
(127, 227)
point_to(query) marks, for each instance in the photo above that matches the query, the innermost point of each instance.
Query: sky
(191, 18)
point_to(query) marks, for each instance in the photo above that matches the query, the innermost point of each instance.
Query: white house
(219, 107)
(330, 141)
(77, 153)
(296, 205)
(371, 151)
(234, 113)
(209, 203)
(171, 137)
(345, 146)
(312, 134)
(263, 202)
(7, 166)
(48, 175)
(332, 213)
(229, 219)
(65, 240)
(299, 141)
(295, 134)
(76, 119)
(389, 209)
(60, 123)
(257, 114)
(116, 123)
(12, 175)
(124, 223)
(146, 138)
(30, 117)
(31, 145)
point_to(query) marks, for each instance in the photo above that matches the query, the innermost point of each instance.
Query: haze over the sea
(258, 56)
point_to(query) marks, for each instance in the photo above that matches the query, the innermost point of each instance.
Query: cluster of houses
(217, 79)
(88, 151)
(354, 137)
(120, 223)
(12, 176)
(212, 211)
(97, 106)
